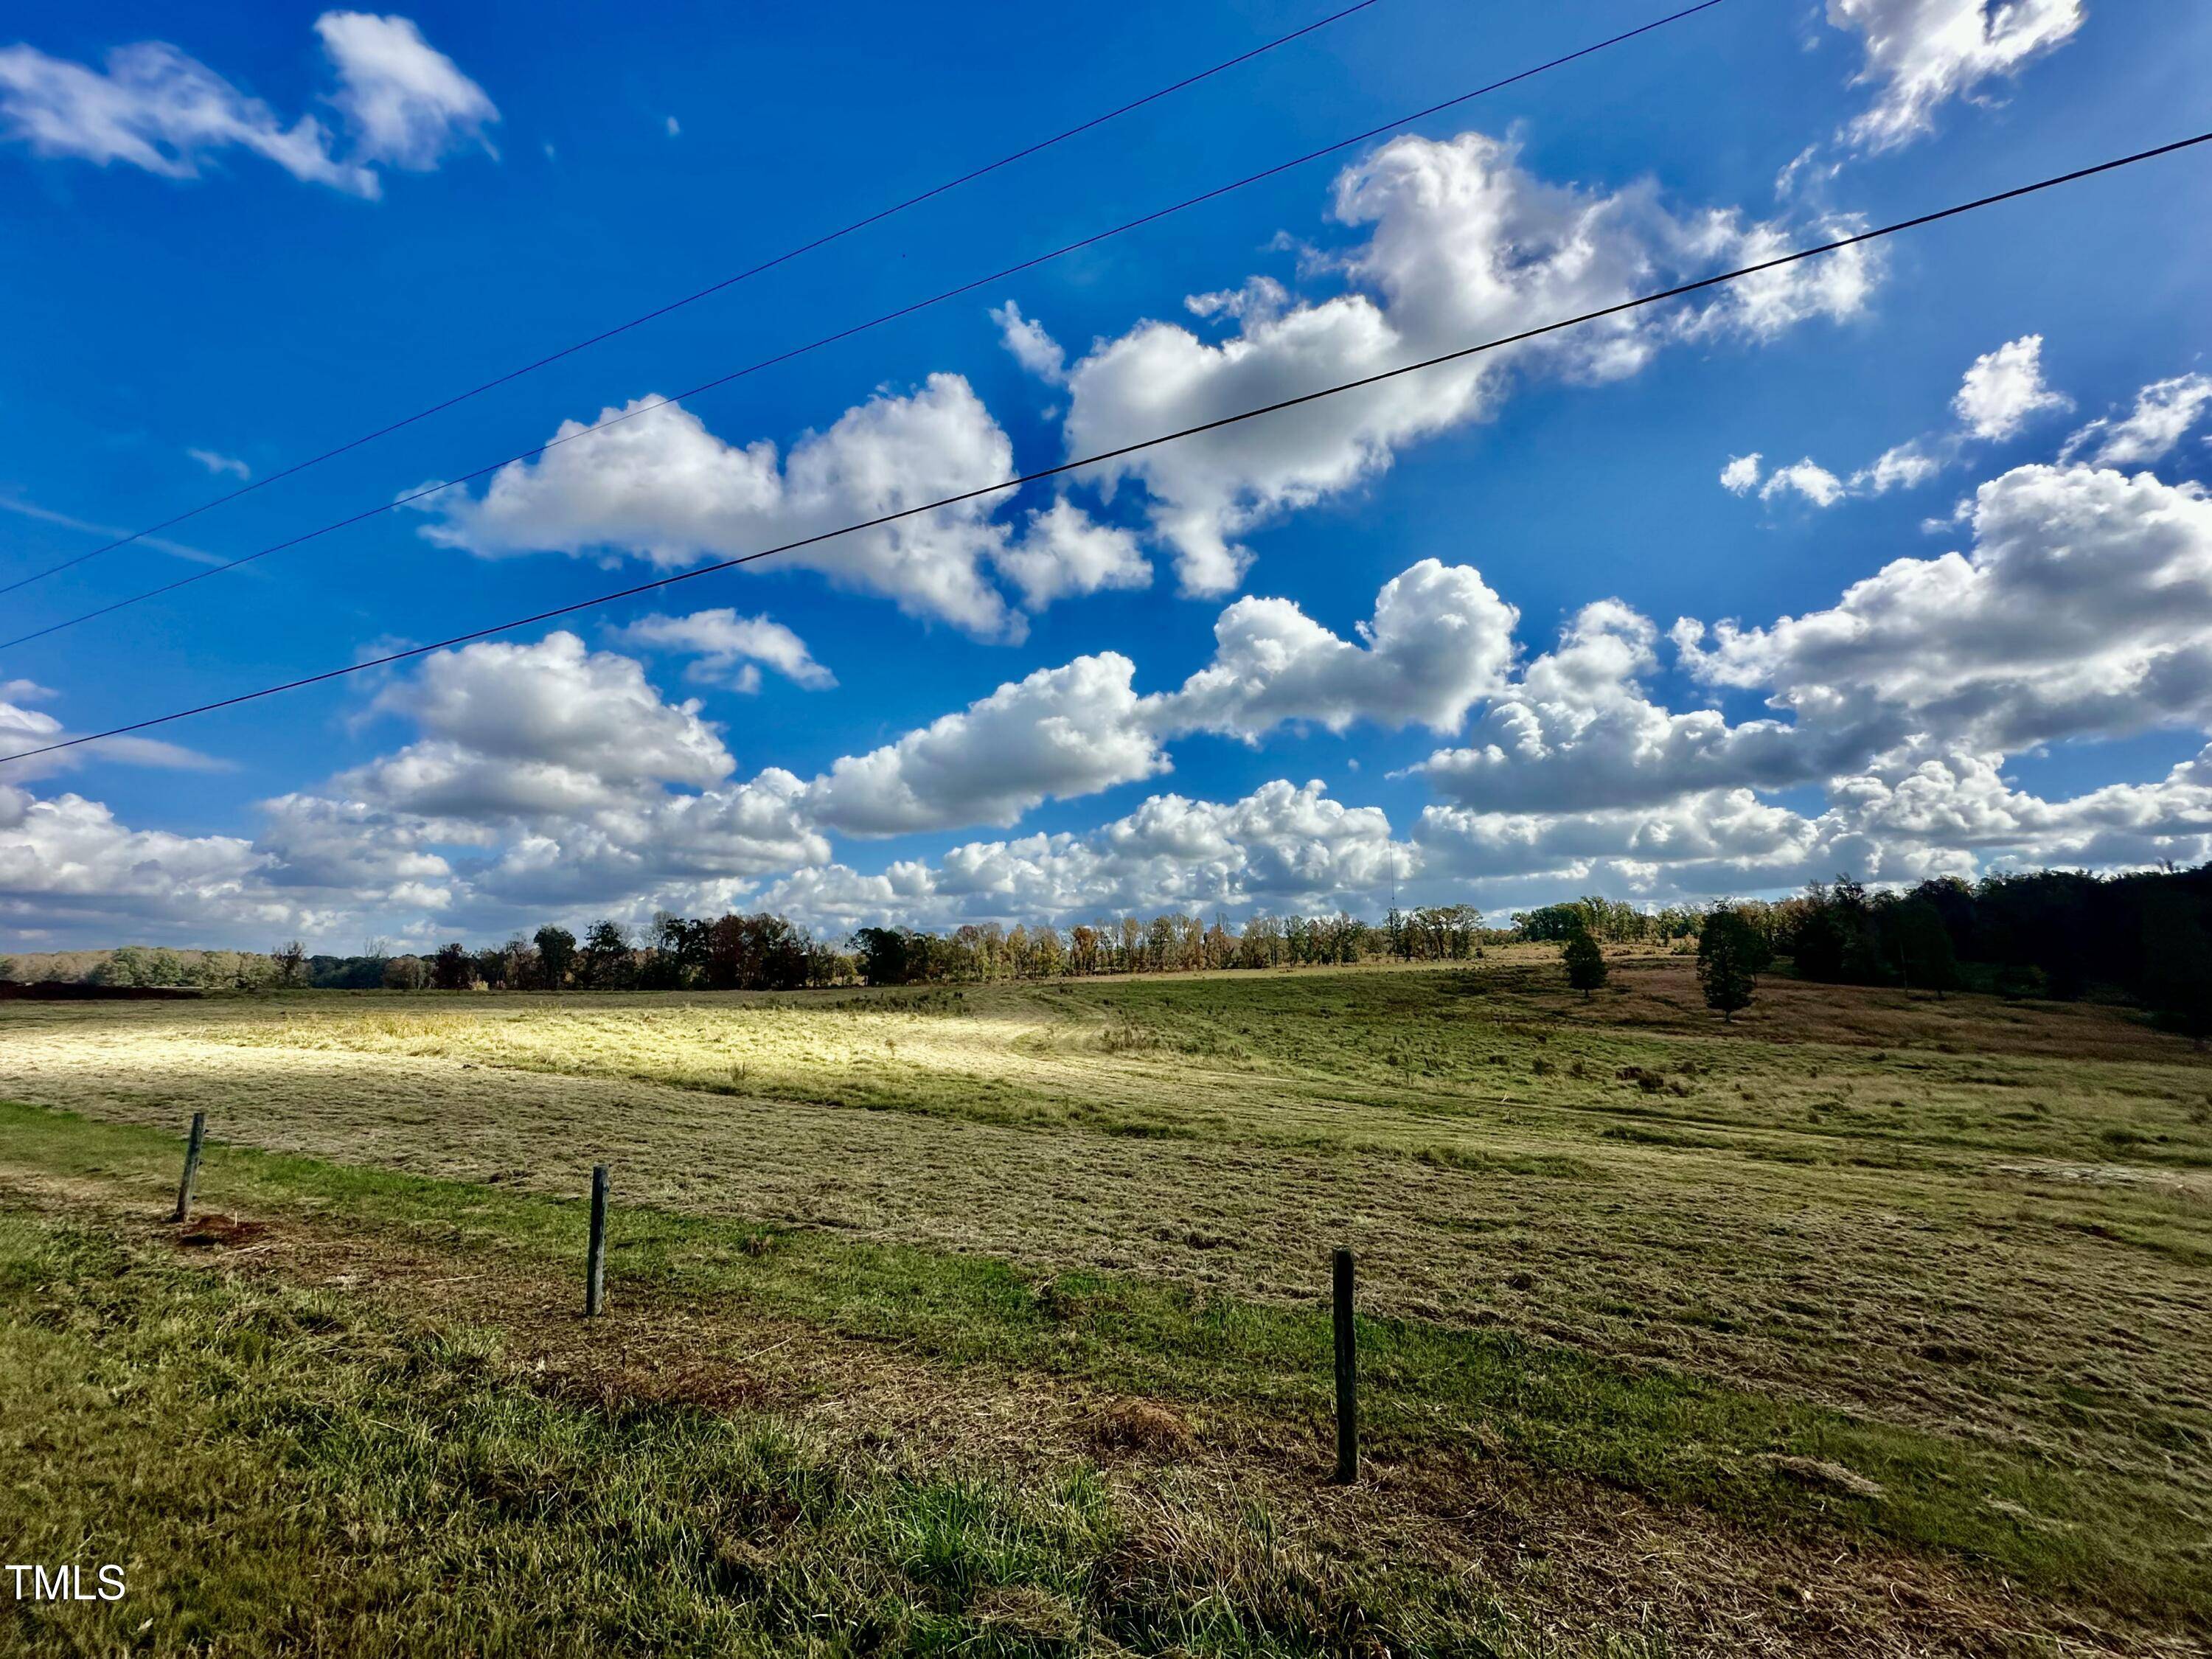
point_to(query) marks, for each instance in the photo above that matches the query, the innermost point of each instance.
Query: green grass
(280, 1471)
(2102, 1535)
(1954, 1249)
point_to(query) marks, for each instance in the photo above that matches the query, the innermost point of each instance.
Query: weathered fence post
(595, 1259)
(192, 1167)
(1347, 1374)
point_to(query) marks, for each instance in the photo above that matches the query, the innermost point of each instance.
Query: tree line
(764, 952)
(2144, 935)
(769, 952)
(2058, 933)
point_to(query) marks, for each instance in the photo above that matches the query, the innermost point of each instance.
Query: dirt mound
(220, 1232)
(1140, 1425)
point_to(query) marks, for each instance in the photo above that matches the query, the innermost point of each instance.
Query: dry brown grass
(1979, 1217)
(1235, 1511)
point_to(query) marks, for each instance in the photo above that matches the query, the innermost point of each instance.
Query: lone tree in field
(1730, 952)
(1585, 960)
(556, 954)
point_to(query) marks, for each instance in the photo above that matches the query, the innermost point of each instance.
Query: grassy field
(994, 1321)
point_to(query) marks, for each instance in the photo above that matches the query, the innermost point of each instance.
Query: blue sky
(1191, 715)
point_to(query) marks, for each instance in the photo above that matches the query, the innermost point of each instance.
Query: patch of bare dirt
(219, 1232)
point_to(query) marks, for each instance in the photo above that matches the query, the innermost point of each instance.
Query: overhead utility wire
(1615, 310)
(649, 405)
(877, 217)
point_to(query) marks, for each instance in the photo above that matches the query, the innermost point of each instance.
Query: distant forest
(2052, 933)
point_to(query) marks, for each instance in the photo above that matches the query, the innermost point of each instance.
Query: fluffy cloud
(1064, 551)
(68, 870)
(1948, 814)
(157, 108)
(1724, 827)
(1032, 348)
(1920, 54)
(1061, 731)
(2003, 388)
(2163, 413)
(2084, 608)
(1901, 467)
(1740, 476)
(659, 485)
(1439, 641)
(1961, 799)
(1283, 847)
(405, 103)
(543, 774)
(665, 851)
(1807, 478)
(1463, 244)
(1578, 734)
(1701, 846)
(526, 729)
(730, 648)
(1999, 393)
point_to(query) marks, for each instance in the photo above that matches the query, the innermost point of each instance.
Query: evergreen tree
(1921, 946)
(1585, 960)
(1818, 947)
(2178, 959)
(1730, 953)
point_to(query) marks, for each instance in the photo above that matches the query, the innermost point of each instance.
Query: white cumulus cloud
(1921, 54)
(1061, 731)
(2163, 413)
(663, 488)
(2003, 388)
(730, 648)
(1462, 244)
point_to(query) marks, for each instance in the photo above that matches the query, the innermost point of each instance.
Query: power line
(765, 266)
(653, 405)
(1056, 470)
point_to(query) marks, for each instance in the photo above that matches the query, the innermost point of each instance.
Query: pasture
(993, 1318)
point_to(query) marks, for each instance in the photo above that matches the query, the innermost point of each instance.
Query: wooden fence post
(1347, 1373)
(595, 1260)
(192, 1167)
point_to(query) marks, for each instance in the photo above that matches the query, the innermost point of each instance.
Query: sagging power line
(651, 404)
(693, 298)
(1617, 309)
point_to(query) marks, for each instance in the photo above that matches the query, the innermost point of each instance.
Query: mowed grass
(2128, 1545)
(281, 1471)
(1955, 1249)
